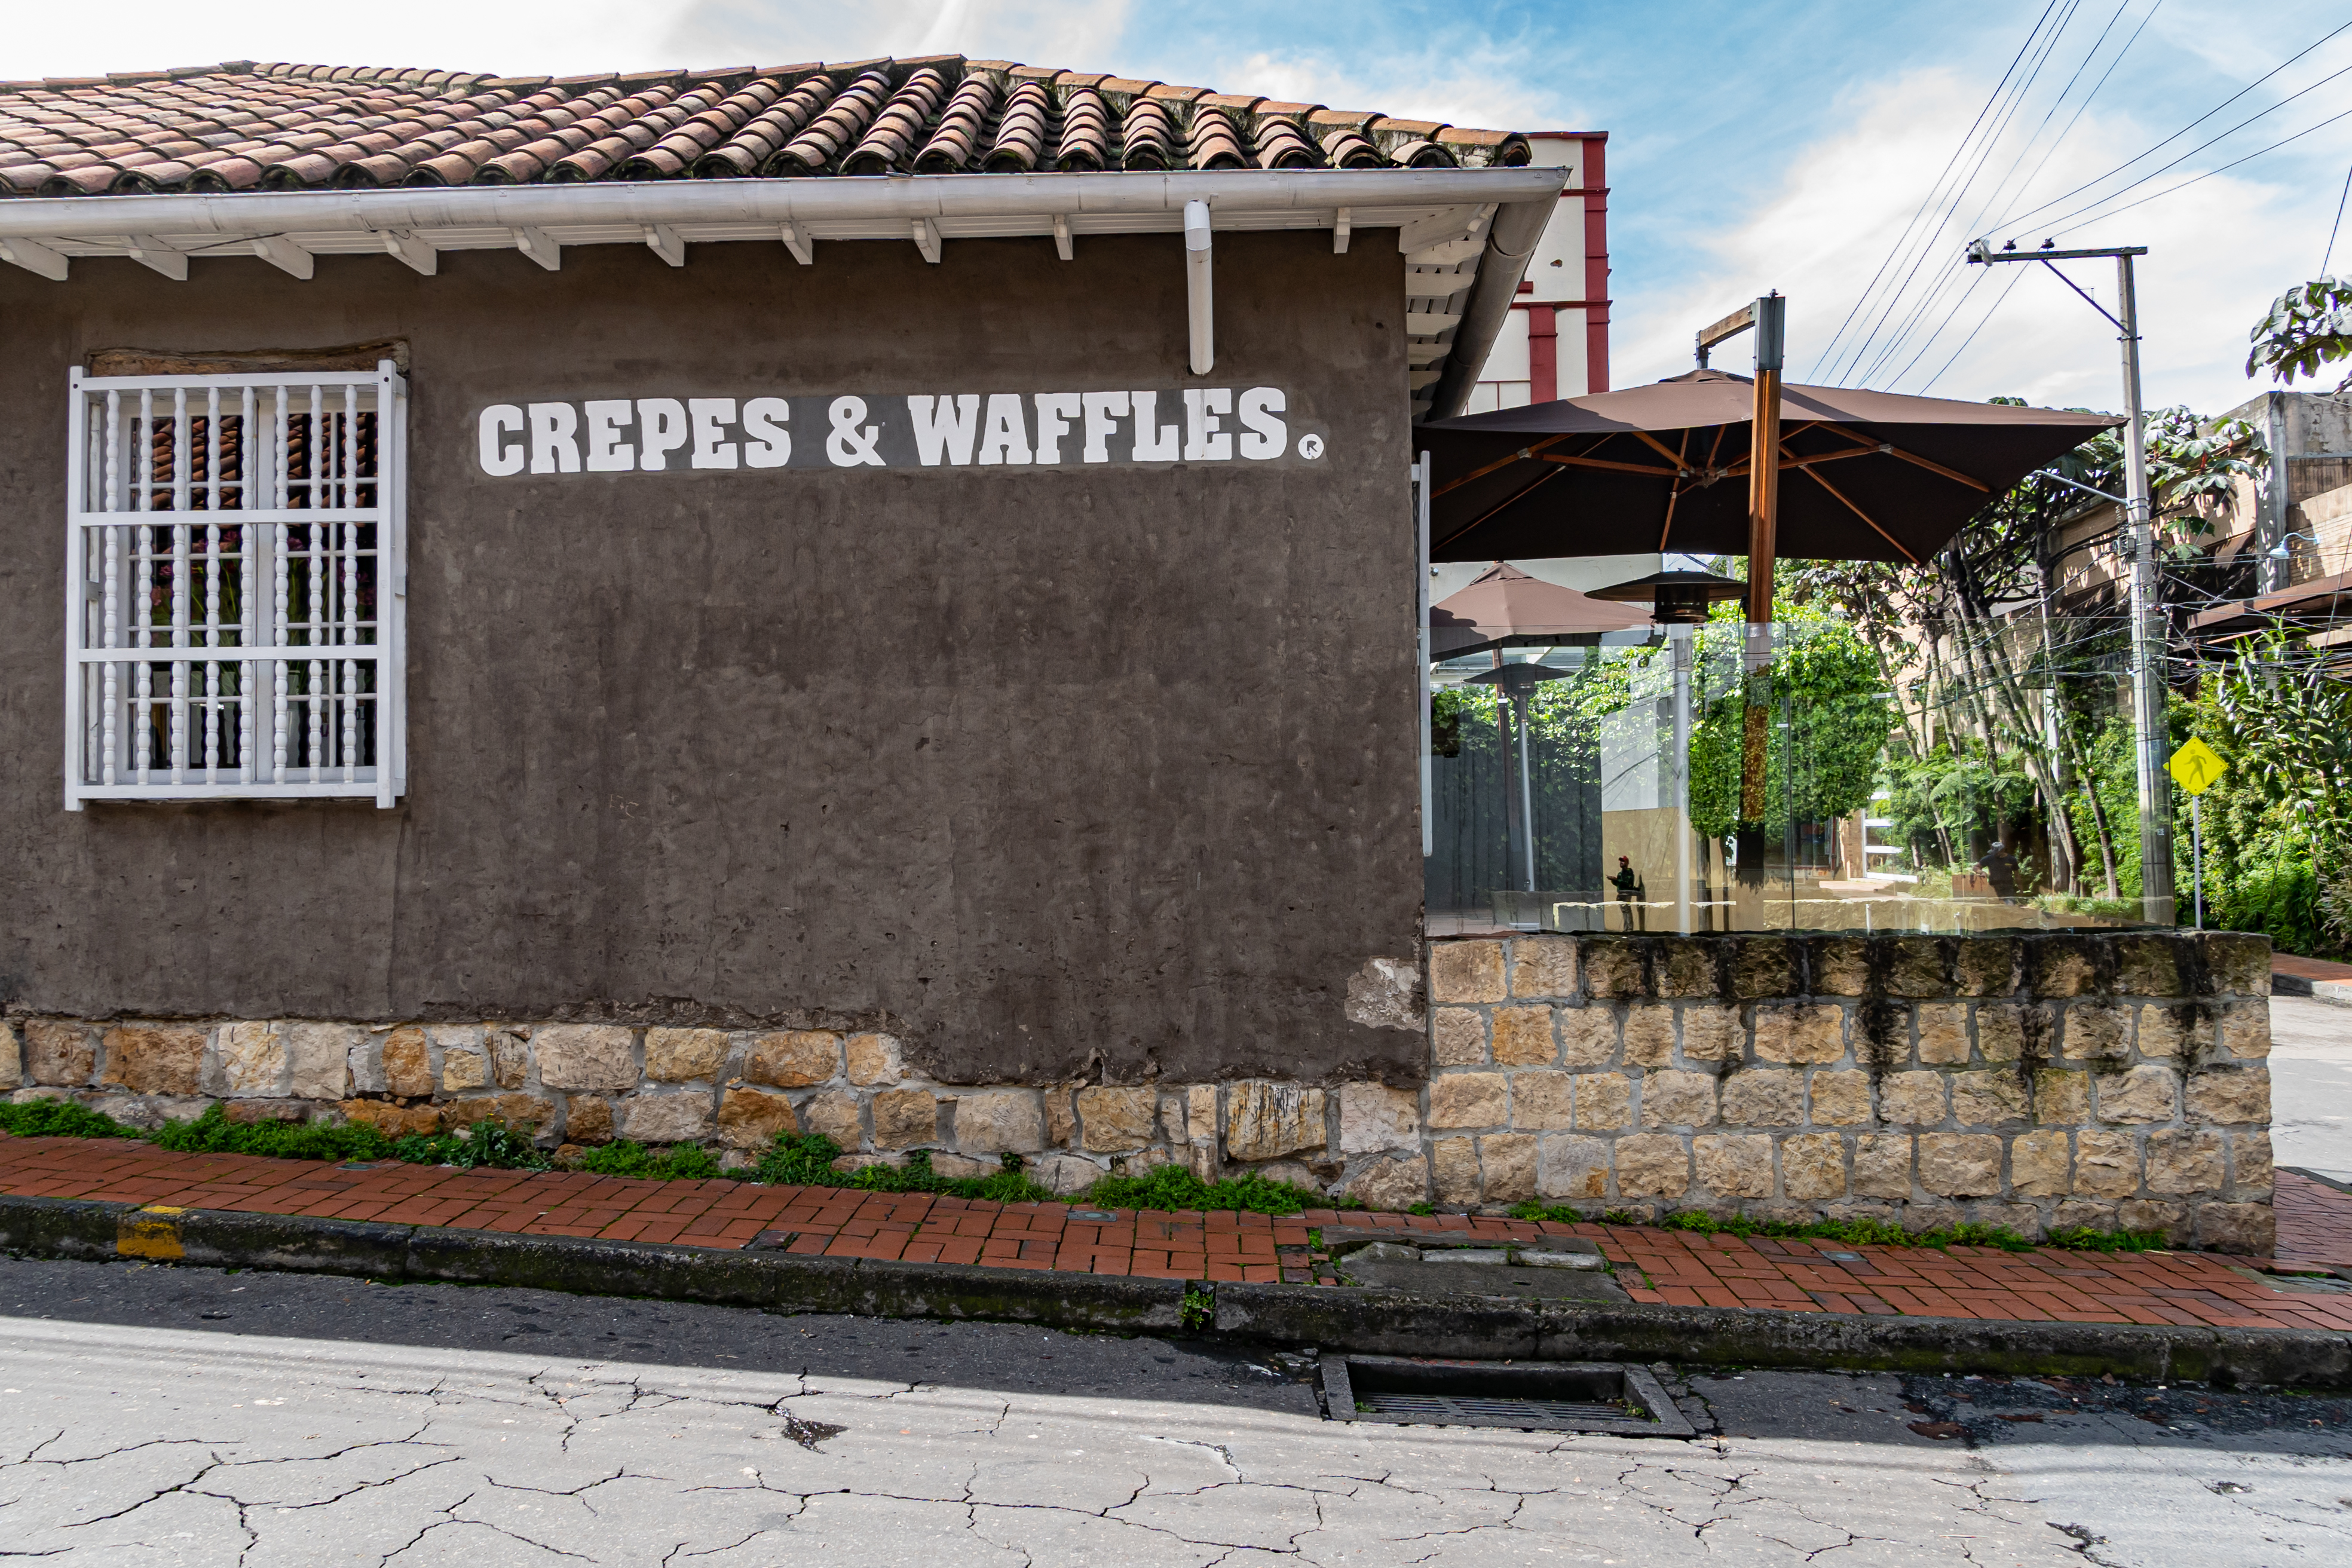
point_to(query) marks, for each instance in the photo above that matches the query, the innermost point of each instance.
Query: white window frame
(228, 696)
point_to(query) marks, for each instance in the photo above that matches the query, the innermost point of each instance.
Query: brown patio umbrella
(1504, 607)
(1865, 476)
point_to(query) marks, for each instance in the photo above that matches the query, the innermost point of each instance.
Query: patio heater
(1678, 601)
(1519, 682)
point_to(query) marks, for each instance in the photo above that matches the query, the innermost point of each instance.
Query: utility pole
(2149, 687)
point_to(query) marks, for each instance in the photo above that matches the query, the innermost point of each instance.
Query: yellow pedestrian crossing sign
(2196, 767)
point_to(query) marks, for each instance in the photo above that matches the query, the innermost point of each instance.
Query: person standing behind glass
(1630, 892)
(2000, 868)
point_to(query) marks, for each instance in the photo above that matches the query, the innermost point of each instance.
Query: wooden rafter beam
(1857, 512)
(1583, 462)
(1894, 451)
(1479, 473)
(1546, 477)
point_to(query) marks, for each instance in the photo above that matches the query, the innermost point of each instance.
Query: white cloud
(2217, 254)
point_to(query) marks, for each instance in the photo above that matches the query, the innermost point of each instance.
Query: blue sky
(1751, 147)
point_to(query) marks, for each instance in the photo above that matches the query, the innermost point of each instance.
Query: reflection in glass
(1614, 788)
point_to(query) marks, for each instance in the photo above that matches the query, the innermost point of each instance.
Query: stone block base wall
(2047, 1081)
(2042, 1083)
(587, 1084)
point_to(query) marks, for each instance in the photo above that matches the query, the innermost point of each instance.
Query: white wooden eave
(1444, 221)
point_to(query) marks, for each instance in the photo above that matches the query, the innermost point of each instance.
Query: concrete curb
(775, 1281)
(1389, 1322)
(2336, 991)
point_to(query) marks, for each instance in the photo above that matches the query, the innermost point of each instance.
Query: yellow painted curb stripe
(150, 1233)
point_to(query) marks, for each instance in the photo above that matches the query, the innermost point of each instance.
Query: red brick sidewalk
(1669, 1267)
(2315, 1223)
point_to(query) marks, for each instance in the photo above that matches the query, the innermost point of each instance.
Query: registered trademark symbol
(1310, 446)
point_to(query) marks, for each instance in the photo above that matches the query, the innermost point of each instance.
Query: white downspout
(1197, 297)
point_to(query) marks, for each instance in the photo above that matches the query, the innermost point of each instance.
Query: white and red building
(1556, 342)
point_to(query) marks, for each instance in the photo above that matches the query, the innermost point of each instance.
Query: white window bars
(252, 646)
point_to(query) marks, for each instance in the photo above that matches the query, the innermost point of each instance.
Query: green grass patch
(1853, 1232)
(1558, 1213)
(2083, 1238)
(805, 1159)
(214, 1133)
(490, 1142)
(800, 1160)
(61, 1119)
(626, 1157)
(1175, 1187)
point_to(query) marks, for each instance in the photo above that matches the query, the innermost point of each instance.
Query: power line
(2069, 224)
(2011, 223)
(1959, 194)
(1861, 299)
(2079, 109)
(2057, 103)
(2329, 253)
(2014, 97)
(1943, 290)
(1979, 327)
(2093, 93)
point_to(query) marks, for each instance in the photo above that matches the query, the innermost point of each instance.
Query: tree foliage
(1832, 715)
(2308, 326)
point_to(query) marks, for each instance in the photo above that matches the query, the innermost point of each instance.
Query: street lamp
(2147, 637)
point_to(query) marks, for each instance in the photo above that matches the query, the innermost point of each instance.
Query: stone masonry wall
(2042, 1083)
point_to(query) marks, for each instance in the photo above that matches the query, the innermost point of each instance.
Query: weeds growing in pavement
(1176, 1187)
(1198, 1309)
(805, 1159)
(1558, 1213)
(800, 1160)
(214, 1133)
(1854, 1232)
(2083, 1238)
(626, 1157)
(1009, 1185)
(491, 1143)
(59, 1119)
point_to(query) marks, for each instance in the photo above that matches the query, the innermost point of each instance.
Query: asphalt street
(2311, 1085)
(183, 1415)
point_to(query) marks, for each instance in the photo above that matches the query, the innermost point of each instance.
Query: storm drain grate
(1539, 1396)
(1461, 1409)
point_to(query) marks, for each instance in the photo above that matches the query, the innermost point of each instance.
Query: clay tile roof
(240, 126)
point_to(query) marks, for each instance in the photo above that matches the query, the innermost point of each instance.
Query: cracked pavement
(175, 1416)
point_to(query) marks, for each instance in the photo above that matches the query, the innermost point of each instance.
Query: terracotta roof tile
(956, 139)
(1020, 130)
(1086, 131)
(241, 126)
(1148, 136)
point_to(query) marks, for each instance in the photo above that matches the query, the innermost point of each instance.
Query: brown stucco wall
(1036, 771)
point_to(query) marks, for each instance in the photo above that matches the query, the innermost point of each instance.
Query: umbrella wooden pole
(1763, 520)
(1527, 788)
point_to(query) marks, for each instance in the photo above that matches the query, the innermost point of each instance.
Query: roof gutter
(1526, 196)
(1510, 246)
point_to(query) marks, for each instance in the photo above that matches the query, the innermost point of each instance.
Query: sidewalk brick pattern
(2314, 1228)
(1660, 1267)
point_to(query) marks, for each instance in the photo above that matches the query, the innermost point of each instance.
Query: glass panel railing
(1718, 777)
